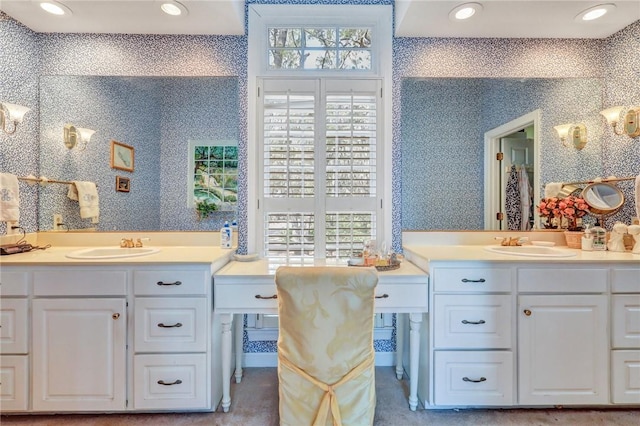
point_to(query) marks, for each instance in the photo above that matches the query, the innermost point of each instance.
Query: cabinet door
(562, 350)
(79, 354)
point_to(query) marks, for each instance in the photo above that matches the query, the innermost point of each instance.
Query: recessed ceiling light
(464, 11)
(594, 12)
(173, 7)
(55, 8)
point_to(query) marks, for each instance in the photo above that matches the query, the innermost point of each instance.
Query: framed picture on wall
(123, 184)
(122, 156)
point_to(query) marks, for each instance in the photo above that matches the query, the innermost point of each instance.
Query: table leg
(226, 320)
(415, 321)
(239, 334)
(399, 345)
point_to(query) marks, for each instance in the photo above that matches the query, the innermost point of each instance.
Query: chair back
(326, 368)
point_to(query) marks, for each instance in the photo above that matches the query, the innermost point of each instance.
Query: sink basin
(111, 252)
(535, 251)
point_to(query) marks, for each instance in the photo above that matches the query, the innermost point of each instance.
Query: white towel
(86, 194)
(637, 195)
(551, 189)
(9, 198)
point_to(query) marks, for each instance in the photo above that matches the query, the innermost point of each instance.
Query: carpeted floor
(255, 403)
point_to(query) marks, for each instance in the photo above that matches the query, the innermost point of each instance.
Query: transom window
(306, 48)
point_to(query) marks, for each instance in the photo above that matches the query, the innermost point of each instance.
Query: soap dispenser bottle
(599, 238)
(226, 235)
(587, 239)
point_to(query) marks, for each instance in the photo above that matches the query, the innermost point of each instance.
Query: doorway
(516, 144)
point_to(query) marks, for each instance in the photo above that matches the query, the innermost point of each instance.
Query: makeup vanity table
(248, 288)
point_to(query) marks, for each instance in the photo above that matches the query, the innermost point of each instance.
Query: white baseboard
(270, 359)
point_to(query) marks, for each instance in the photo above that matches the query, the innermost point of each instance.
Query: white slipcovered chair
(326, 369)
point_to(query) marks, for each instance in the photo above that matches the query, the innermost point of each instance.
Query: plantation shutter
(320, 166)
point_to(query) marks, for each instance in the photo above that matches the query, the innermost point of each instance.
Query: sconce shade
(77, 136)
(11, 113)
(612, 114)
(563, 130)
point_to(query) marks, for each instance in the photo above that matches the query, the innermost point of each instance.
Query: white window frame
(261, 17)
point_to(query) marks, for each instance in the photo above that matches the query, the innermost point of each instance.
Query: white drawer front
(74, 282)
(14, 283)
(405, 296)
(625, 377)
(171, 282)
(473, 378)
(626, 321)
(171, 325)
(169, 382)
(239, 297)
(562, 280)
(473, 321)
(13, 326)
(625, 280)
(14, 383)
(472, 279)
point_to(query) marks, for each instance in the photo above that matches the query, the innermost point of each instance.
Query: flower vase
(573, 238)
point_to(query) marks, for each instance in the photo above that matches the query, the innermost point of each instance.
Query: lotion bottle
(587, 239)
(599, 238)
(225, 236)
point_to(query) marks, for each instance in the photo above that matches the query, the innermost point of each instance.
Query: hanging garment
(513, 206)
(526, 198)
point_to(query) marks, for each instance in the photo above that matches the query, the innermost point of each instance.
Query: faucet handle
(123, 242)
(138, 242)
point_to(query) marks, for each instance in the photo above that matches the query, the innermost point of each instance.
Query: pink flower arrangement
(571, 208)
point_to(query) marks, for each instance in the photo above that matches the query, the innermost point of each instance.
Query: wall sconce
(576, 134)
(631, 120)
(11, 113)
(77, 136)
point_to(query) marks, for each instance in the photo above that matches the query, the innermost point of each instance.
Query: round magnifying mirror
(603, 198)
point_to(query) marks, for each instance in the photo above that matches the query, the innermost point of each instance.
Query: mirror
(156, 117)
(442, 126)
(603, 198)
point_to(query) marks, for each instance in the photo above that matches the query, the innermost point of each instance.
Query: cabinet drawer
(14, 283)
(562, 280)
(13, 326)
(626, 321)
(247, 297)
(625, 377)
(14, 382)
(473, 321)
(74, 282)
(472, 279)
(171, 282)
(407, 296)
(169, 382)
(625, 280)
(473, 378)
(170, 325)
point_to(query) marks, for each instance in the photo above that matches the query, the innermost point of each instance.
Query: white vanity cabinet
(79, 325)
(625, 336)
(109, 338)
(472, 335)
(14, 341)
(563, 335)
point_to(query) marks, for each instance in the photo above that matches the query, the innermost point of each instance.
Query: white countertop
(479, 253)
(166, 255)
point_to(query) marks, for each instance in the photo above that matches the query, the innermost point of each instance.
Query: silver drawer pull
(178, 325)
(473, 322)
(162, 382)
(275, 296)
(481, 379)
(173, 283)
(467, 280)
(384, 296)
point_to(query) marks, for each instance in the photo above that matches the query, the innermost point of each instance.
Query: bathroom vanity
(520, 330)
(109, 335)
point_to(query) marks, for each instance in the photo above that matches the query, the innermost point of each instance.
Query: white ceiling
(414, 18)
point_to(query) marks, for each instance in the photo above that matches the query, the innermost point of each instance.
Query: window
(319, 170)
(319, 48)
(213, 178)
(319, 83)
